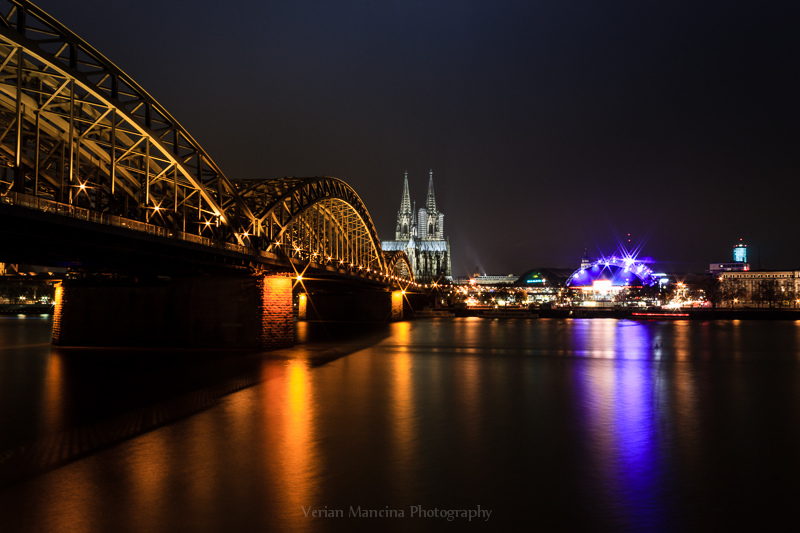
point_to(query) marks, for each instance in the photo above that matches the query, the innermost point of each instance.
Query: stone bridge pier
(198, 312)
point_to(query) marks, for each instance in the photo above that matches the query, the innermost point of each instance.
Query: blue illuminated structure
(620, 271)
(740, 253)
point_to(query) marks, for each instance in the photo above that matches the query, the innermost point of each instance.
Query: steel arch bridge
(398, 263)
(81, 138)
(317, 219)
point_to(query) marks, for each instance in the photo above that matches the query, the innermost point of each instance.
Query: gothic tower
(433, 219)
(405, 217)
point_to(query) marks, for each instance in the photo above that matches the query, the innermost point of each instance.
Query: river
(456, 424)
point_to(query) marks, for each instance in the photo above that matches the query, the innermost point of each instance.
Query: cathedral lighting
(420, 234)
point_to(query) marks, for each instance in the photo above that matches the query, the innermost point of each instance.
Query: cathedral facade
(420, 234)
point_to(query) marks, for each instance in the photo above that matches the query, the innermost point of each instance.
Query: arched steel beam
(74, 128)
(397, 260)
(54, 76)
(276, 203)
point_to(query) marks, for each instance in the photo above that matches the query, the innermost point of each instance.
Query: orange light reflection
(290, 410)
(52, 417)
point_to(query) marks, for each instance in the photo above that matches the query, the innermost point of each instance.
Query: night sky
(550, 126)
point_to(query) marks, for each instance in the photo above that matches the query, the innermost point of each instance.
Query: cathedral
(420, 234)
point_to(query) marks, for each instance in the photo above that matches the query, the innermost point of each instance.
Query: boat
(654, 315)
(508, 312)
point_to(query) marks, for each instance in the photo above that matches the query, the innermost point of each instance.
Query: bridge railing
(81, 213)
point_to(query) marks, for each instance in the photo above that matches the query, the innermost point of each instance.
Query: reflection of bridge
(97, 175)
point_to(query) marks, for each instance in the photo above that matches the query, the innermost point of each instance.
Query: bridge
(96, 176)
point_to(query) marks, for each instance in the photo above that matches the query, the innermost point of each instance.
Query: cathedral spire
(430, 203)
(405, 217)
(405, 202)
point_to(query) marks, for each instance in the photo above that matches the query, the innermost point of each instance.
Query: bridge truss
(320, 219)
(80, 137)
(397, 262)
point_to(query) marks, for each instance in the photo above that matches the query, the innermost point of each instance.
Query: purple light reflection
(617, 395)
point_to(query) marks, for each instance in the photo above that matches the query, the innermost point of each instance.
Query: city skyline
(550, 129)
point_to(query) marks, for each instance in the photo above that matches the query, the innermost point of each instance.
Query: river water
(548, 424)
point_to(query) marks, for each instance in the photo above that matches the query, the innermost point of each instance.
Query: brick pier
(219, 312)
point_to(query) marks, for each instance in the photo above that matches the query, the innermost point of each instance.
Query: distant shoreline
(724, 313)
(26, 309)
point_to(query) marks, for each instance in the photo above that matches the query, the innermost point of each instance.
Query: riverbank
(26, 309)
(661, 314)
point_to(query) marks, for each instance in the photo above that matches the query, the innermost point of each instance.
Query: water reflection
(553, 424)
(148, 470)
(204, 447)
(63, 506)
(289, 411)
(469, 400)
(53, 395)
(404, 416)
(621, 415)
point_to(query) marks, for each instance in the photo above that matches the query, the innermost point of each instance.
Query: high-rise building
(740, 252)
(420, 233)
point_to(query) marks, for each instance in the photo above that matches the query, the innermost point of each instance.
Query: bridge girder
(321, 219)
(80, 137)
(398, 264)
(76, 129)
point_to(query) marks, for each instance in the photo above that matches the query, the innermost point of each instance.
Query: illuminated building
(610, 279)
(586, 262)
(740, 253)
(420, 234)
(717, 268)
(547, 278)
(495, 280)
(544, 285)
(613, 272)
(760, 288)
(739, 264)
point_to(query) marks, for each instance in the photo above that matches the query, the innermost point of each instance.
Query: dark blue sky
(550, 126)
